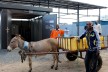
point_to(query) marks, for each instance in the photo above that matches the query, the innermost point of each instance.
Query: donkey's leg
(56, 62)
(58, 55)
(53, 61)
(30, 63)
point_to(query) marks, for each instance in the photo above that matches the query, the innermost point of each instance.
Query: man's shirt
(92, 38)
(56, 33)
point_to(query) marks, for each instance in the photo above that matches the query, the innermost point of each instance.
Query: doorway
(23, 28)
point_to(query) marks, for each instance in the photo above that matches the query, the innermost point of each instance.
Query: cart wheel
(71, 56)
(99, 64)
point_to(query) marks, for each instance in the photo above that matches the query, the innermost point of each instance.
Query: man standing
(56, 32)
(66, 33)
(93, 42)
(98, 28)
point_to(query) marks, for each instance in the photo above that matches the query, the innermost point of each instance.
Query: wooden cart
(76, 48)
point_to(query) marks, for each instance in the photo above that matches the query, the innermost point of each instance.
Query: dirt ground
(10, 62)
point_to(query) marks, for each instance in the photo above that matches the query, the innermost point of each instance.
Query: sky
(103, 12)
(95, 2)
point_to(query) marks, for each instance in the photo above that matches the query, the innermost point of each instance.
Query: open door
(49, 23)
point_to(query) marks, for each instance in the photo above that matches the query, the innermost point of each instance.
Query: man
(98, 28)
(93, 42)
(57, 33)
(66, 33)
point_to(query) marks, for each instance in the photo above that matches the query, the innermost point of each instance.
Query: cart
(76, 48)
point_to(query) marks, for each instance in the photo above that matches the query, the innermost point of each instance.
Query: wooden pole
(40, 53)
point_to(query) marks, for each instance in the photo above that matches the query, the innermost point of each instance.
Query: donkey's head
(14, 42)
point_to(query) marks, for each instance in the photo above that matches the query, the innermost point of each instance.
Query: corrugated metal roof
(68, 4)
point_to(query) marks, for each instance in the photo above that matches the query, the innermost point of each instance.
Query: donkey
(45, 45)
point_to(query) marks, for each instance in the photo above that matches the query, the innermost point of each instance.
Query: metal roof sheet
(68, 4)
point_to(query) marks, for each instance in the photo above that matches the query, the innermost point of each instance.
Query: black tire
(99, 64)
(71, 56)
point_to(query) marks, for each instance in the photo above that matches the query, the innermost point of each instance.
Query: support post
(5, 28)
(99, 16)
(78, 20)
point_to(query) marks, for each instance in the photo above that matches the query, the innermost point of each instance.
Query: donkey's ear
(18, 35)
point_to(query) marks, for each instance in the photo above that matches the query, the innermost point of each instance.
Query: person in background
(98, 28)
(57, 33)
(93, 42)
(66, 33)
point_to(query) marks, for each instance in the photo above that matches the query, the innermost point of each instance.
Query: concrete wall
(73, 28)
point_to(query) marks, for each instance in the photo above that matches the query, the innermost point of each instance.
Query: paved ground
(10, 62)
